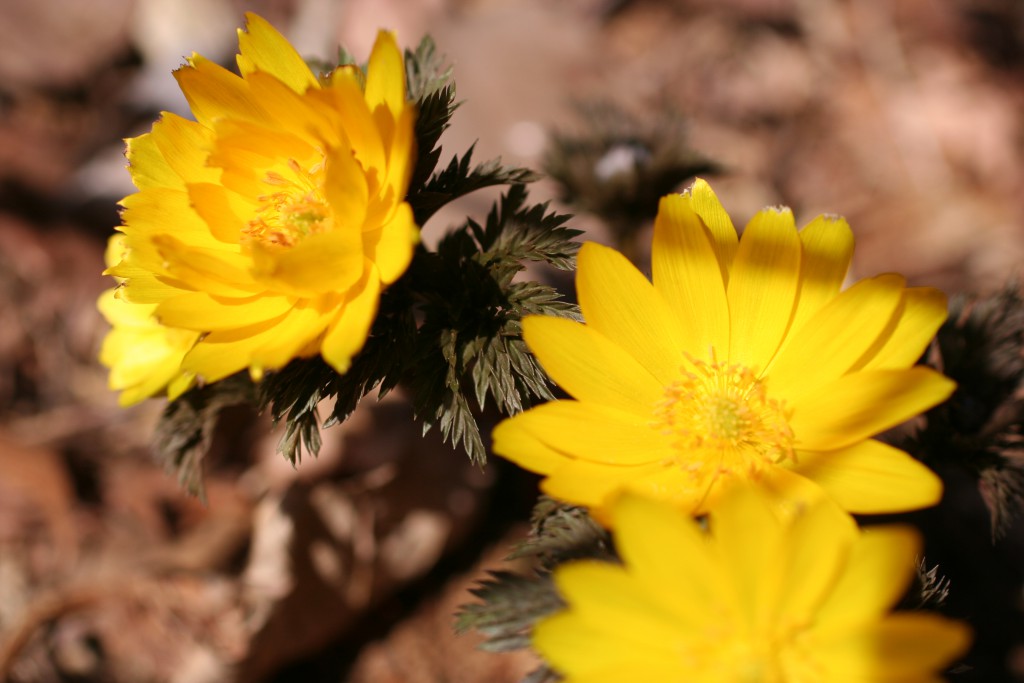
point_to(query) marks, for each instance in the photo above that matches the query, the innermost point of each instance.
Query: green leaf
(561, 533)
(182, 436)
(460, 178)
(511, 604)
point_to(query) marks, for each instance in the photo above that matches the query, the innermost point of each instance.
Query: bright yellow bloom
(741, 361)
(271, 223)
(144, 357)
(761, 599)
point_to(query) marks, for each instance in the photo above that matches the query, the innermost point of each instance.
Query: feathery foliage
(448, 331)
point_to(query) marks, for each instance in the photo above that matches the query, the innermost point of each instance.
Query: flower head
(144, 357)
(762, 598)
(741, 361)
(270, 224)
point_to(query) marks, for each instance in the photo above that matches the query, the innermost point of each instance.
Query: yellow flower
(761, 599)
(144, 357)
(271, 223)
(741, 361)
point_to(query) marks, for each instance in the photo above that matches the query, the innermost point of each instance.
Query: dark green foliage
(448, 331)
(470, 339)
(561, 533)
(183, 434)
(430, 85)
(512, 603)
(930, 587)
(980, 428)
(460, 178)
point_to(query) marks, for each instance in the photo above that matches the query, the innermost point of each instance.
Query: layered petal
(826, 252)
(268, 227)
(723, 234)
(592, 368)
(621, 304)
(924, 311)
(598, 434)
(261, 47)
(860, 405)
(763, 287)
(687, 274)
(837, 336)
(764, 593)
(872, 477)
(746, 361)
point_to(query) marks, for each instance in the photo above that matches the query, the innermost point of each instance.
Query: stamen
(296, 210)
(723, 422)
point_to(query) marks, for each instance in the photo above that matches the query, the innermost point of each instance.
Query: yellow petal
(147, 165)
(203, 312)
(224, 352)
(723, 233)
(596, 433)
(670, 481)
(346, 190)
(179, 385)
(512, 440)
(294, 112)
(293, 337)
(391, 245)
(347, 334)
(601, 652)
(816, 546)
(827, 249)
(385, 76)
(688, 276)
(590, 367)
(594, 484)
(870, 478)
(762, 287)
(224, 212)
(863, 404)
(185, 145)
(903, 647)
(214, 92)
(149, 211)
(748, 535)
(879, 568)
(246, 147)
(325, 262)
(663, 547)
(924, 311)
(401, 151)
(623, 305)
(344, 106)
(263, 48)
(836, 337)
(791, 491)
(218, 271)
(605, 595)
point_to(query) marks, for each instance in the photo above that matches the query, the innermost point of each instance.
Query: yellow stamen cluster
(294, 210)
(723, 411)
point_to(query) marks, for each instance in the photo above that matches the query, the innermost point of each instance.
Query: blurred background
(907, 118)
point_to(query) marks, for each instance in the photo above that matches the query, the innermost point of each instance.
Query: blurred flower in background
(759, 598)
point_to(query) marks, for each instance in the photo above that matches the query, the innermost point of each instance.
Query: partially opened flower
(144, 357)
(742, 361)
(792, 599)
(271, 223)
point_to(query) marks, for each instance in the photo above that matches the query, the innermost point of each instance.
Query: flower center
(292, 210)
(722, 420)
